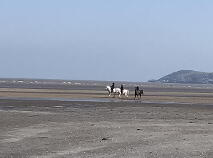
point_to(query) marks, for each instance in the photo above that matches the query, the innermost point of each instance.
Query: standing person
(122, 88)
(112, 87)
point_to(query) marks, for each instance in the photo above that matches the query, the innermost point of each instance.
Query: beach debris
(191, 122)
(105, 138)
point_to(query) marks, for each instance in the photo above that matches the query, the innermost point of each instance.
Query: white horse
(117, 91)
(126, 92)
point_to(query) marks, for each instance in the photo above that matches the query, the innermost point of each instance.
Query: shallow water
(69, 99)
(97, 100)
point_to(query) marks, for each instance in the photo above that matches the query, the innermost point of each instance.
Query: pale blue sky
(132, 40)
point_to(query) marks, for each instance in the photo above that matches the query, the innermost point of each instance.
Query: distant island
(187, 76)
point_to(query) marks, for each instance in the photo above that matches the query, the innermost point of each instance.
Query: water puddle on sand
(103, 100)
(68, 99)
(58, 106)
(32, 113)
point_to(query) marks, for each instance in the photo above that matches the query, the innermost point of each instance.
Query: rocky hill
(188, 76)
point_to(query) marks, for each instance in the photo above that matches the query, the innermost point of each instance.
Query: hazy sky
(131, 40)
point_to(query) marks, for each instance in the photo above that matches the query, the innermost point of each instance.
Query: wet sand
(55, 123)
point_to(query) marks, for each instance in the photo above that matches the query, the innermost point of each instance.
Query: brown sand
(181, 96)
(118, 128)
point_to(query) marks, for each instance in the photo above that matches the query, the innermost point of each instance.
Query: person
(112, 87)
(137, 88)
(136, 91)
(122, 88)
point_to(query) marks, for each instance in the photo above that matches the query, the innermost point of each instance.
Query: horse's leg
(136, 95)
(119, 93)
(126, 94)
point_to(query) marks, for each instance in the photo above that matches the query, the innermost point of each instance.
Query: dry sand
(165, 124)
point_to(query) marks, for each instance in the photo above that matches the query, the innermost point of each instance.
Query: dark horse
(138, 92)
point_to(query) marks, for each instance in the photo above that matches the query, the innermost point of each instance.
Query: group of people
(113, 86)
(122, 88)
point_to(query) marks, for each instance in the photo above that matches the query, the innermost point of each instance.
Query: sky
(126, 40)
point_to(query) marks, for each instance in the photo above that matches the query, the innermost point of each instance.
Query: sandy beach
(56, 123)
